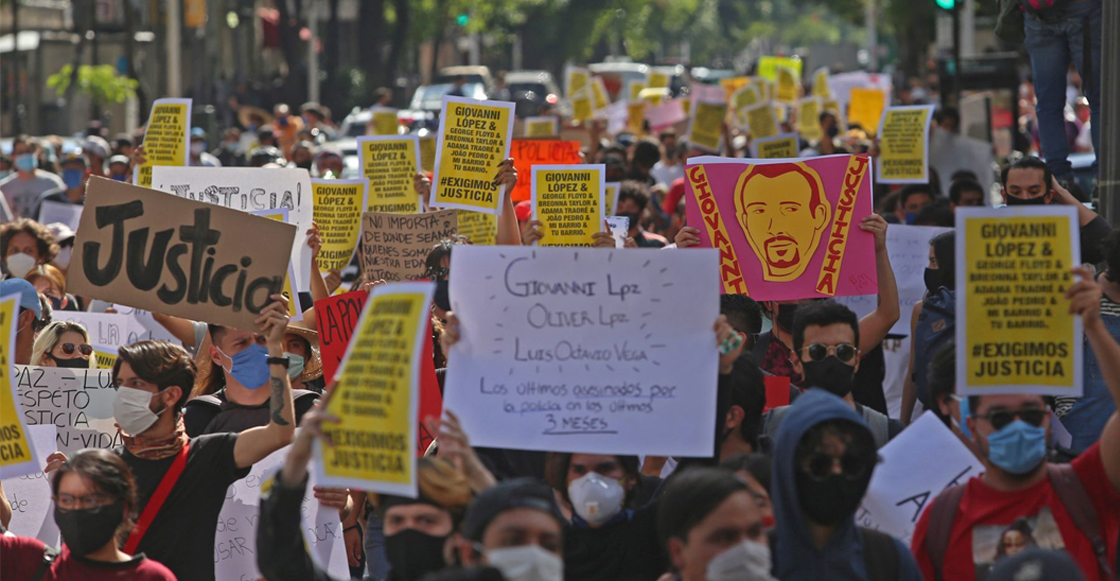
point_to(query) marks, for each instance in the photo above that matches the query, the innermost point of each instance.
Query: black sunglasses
(845, 352)
(1001, 418)
(84, 349)
(852, 466)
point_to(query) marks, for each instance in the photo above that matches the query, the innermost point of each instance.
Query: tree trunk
(400, 37)
(332, 96)
(371, 22)
(291, 89)
(441, 17)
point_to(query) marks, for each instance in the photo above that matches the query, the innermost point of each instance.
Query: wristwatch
(279, 361)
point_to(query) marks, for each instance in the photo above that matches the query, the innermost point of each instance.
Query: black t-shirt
(1092, 237)
(182, 534)
(215, 414)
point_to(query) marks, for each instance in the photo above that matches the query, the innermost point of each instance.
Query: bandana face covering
(157, 448)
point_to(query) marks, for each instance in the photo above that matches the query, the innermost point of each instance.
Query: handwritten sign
(620, 229)
(903, 141)
(69, 214)
(336, 318)
(474, 138)
(17, 455)
(79, 402)
(1013, 270)
(396, 246)
(786, 229)
(338, 208)
(865, 108)
(568, 200)
(480, 229)
(384, 121)
(377, 395)
(29, 494)
(706, 128)
(571, 349)
(527, 153)
(786, 145)
(390, 165)
(166, 138)
(760, 120)
(541, 127)
(204, 262)
(107, 331)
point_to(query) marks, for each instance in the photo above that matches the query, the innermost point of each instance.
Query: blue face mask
(962, 403)
(911, 217)
(26, 162)
(119, 177)
(250, 366)
(73, 178)
(1018, 447)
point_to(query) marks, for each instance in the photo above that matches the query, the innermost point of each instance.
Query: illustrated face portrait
(783, 211)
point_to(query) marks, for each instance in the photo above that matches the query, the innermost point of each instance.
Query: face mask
(633, 217)
(75, 363)
(295, 364)
(63, 258)
(829, 374)
(526, 563)
(830, 501)
(250, 366)
(1018, 447)
(132, 408)
(413, 554)
(962, 403)
(20, 264)
(304, 165)
(197, 147)
(833, 131)
(73, 178)
(442, 298)
(784, 318)
(747, 560)
(1035, 201)
(933, 280)
(26, 162)
(596, 498)
(86, 530)
(911, 217)
(119, 177)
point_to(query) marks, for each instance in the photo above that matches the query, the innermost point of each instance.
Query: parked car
(423, 110)
(474, 74)
(533, 90)
(616, 75)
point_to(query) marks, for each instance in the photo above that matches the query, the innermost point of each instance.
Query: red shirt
(23, 556)
(990, 524)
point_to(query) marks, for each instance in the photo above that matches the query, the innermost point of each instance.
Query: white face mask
(526, 563)
(596, 498)
(197, 147)
(63, 259)
(132, 410)
(20, 264)
(747, 560)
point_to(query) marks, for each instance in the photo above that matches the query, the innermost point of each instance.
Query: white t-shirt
(666, 174)
(23, 195)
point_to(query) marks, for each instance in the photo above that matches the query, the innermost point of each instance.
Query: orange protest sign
(529, 152)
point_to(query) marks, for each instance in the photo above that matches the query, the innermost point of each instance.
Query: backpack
(936, 327)
(1071, 493)
(880, 554)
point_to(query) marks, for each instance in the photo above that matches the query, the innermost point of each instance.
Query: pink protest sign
(668, 113)
(786, 229)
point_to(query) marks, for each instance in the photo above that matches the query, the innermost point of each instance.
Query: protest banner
(865, 108)
(247, 190)
(636, 116)
(903, 145)
(760, 120)
(1014, 332)
(666, 114)
(336, 317)
(600, 96)
(474, 139)
(17, 455)
(572, 358)
(575, 79)
(788, 85)
(820, 84)
(428, 153)
(744, 97)
(769, 65)
(583, 108)
(705, 130)
(634, 88)
(141, 326)
(784, 146)
(925, 459)
(377, 395)
(338, 208)
(527, 153)
(384, 121)
(205, 263)
(51, 212)
(568, 200)
(809, 119)
(389, 163)
(395, 246)
(79, 402)
(29, 494)
(620, 229)
(166, 138)
(610, 198)
(481, 229)
(786, 229)
(541, 127)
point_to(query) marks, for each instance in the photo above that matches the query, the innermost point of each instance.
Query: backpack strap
(879, 425)
(942, 513)
(49, 556)
(1081, 511)
(880, 555)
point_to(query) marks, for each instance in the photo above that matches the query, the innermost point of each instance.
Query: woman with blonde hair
(51, 283)
(63, 344)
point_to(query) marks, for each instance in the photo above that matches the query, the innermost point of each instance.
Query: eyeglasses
(71, 502)
(1001, 418)
(845, 352)
(84, 349)
(852, 466)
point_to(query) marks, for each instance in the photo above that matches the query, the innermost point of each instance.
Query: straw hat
(313, 365)
(247, 111)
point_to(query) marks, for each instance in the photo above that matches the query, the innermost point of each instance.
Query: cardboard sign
(527, 153)
(784, 146)
(568, 200)
(786, 229)
(396, 246)
(79, 402)
(17, 455)
(866, 108)
(384, 121)
(575, 79)
(390, 165)
(706, 128)
(474, 139)
(541, 127)
(480, 229)
(428, 154)
(744, 97)
(574, 350)
(166, 138)
(666, 114)
(903, 140)
(789, 85)
(760, 120)
(69, 214)
(1014, 330)
(336, 318)
(290, 290)
(338, 208)
(203, 262)
(610, 198)
(29, 494)
(377, 396)
(809, 119)
(768, 66)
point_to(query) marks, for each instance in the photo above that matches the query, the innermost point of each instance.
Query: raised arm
(509, 234)
(874, 327)
(255, 444)
(318, 287)
(181, 329)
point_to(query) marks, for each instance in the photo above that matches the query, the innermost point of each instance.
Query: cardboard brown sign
(159, 252)
(395, 246)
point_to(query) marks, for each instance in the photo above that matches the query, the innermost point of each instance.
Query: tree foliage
(101, 83)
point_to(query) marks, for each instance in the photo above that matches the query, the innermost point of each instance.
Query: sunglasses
(845, 352)
(1001, 418)
(852, 466)
(84, 349)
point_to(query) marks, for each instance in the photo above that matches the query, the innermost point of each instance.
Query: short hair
(1028, 162)
(963, 174)
(913, 190)
(690, 496)
(773, 170)
(556, 466)
(44, 240)
(646, 153)
(162, 363)
(824, 116)
(942, 377)
(1110, 248)
(961, 186)
(55, 276)
(944, 251)
(743, 313)
(634, 191)
(821, 314)
(757, 464)
(948, 114)
(745, 387)
(49, 337)
(109, 475)
(936, 214)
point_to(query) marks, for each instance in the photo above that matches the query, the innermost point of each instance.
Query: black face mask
(829, 374)
(1035, 201)
(633, 217)
(832, 500)
(87, 530)
(75, 363)
(933, 279)
(784, 318)
(833, 131)
(413, 554)
(442, 298)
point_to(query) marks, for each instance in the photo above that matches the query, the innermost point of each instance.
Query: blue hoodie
(795, 556)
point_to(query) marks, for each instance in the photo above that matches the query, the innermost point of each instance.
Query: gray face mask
(526, 563)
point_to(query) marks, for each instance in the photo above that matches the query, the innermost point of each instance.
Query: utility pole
(174, 45)
(312, 55)
(17, 98)
(871, 26)
(1108, 184)
(956, 54)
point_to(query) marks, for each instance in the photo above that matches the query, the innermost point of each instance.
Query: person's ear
(171, 395)
(1050, 195)
(216, 356)
(734, 419)
(675, 549)
(798, 367)
(1003, 194)
(465, 551)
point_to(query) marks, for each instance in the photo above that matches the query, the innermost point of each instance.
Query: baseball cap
(118, 159)
(95, 145)
(61, 231)
(508, 495)
(198, 132)
(28, 296)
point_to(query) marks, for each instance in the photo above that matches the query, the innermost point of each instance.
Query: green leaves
(101, 83)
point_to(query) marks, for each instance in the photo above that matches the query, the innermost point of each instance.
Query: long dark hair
(110, 476)
(944, 250)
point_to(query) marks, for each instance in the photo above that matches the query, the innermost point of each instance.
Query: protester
(34, 315)
(96, 150)
(63, 344)
(633, 198)
(932, 322)
(199, 144)
(75, 172)
(285, 126)
(50, 282)
(911, 199)
(967, 193)
(755, 470)
(25, 244)
(23, 188)
(328, 163)
(118, 167)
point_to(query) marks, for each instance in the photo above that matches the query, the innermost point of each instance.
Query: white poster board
(78, 401)
(30, 495)
(107, 330)
(69, 214)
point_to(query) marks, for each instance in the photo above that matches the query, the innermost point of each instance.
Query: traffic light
(946, 4)
(464, 19)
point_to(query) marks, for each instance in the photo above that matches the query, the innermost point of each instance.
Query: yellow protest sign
(686, 105)
(903, 145)
(481, 229)
(821, 87)
(384, 121)
(705, 129)
(732, 85)
(17, 457)
(634, 89)
(568, 200)
(636, 111)
(474, 139)
(789, 85)
(428, 153)
(610, 198)
(809, 119)
(378, 395)
(541, 127)
(575, 80)
(658, 80)
(1014, 331)
(166, 138)
(338, 212)
(745, 97)
(784, 146)
(760, 120)
(768, 66)
(582, 107)
(865, 108)
(389, 164)
(781, 113)
(105, 358)
(600, 97)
